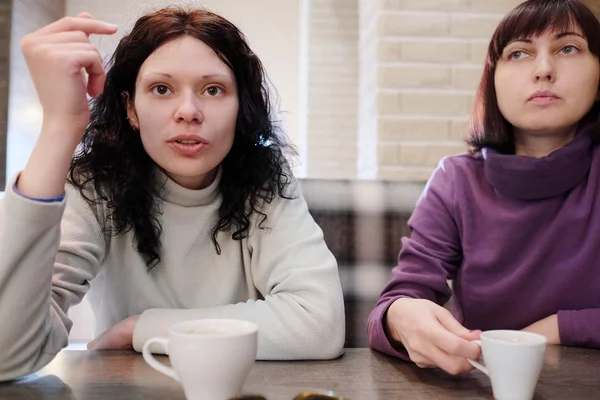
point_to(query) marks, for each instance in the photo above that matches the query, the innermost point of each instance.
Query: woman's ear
(131, 114)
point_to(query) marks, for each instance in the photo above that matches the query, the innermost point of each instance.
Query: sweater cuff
(579, 327)
(25, 209)
(377, 336)
(46, 200)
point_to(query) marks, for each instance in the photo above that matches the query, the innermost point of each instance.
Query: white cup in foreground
(513, 361)
(211, 358)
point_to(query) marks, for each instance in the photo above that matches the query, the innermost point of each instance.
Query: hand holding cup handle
(477, 364)
(431, 335)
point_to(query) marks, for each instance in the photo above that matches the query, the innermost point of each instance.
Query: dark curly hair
(112, 164)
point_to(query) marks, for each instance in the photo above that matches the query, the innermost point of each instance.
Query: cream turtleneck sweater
(284, 278)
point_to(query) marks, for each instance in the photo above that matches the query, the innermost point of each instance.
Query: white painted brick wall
(430, 56)
(332, 89)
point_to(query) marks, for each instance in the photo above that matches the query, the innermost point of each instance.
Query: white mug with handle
(513, 361)
(211, 358)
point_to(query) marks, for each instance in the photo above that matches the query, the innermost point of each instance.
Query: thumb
(472, 335)
(92, 344)
(104, 341)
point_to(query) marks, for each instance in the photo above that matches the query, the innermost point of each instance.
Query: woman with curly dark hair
(178, 204)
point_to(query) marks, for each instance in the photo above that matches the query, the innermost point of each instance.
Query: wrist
(390, 320)
(46, 171)
(62, 128)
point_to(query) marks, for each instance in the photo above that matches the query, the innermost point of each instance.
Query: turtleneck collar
(529, 178)
(171, 192)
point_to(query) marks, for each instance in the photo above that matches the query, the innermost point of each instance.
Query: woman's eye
(569, 49)
(515, 55)
(161, 90)
(214, 91)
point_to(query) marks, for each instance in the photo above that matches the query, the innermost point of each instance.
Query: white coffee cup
(211, 358)
(513, 361)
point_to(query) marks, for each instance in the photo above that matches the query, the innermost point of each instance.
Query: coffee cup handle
(153, 362)
(477, 364)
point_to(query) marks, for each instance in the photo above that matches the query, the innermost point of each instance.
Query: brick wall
(332, 89)
(421, 60)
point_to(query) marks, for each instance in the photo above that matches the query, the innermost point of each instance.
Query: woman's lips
(187, 148)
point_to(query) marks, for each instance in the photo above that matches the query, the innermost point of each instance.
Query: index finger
(454, 345)
(449, 363)
(86, 25)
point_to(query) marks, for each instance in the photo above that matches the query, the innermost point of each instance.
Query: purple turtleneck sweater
(519, 237)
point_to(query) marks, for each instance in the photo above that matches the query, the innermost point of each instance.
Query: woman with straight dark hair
(179, 202)
(515, 223)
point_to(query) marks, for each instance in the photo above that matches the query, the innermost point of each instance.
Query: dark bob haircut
(488, 128)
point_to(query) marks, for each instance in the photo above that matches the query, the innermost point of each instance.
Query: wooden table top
(360, 374)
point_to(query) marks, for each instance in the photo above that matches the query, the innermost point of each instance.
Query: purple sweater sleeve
(580, 327)
(428, 258)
